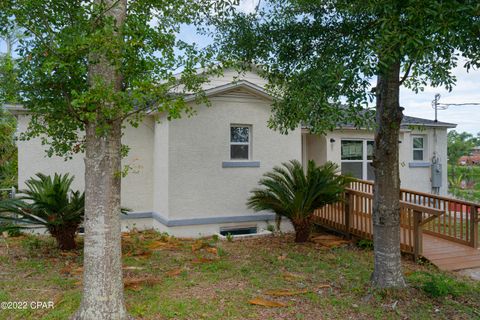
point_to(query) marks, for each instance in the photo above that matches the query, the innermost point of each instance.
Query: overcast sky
(467, 90)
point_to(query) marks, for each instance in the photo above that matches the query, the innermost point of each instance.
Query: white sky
(467, 89)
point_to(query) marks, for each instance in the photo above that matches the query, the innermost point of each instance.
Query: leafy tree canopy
(460, 144)
(320, 54)
(63, 38)
(8, 150)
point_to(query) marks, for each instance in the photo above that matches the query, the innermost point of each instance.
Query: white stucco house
(192, 176)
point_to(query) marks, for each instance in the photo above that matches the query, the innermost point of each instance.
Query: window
(238, 231)
(240, 139)
(418, 143)
(357, 156)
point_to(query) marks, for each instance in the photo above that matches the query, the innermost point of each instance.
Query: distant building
(472, 159)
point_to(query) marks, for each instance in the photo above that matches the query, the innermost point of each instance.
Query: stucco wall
(412, 177)
(160, 192)
(418, 178)
(316, 148)
(136, 187)
(198, 185)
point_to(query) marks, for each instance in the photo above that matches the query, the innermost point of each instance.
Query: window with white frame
(418, 147)
(240, 142)
(356, 158)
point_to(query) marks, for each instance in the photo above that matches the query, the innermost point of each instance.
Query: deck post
(417, 235)
(474, 226)
(347, 213)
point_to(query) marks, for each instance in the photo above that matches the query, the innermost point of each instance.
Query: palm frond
(291, 192)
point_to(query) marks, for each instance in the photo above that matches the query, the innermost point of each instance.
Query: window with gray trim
(418, 147)
(240, 142)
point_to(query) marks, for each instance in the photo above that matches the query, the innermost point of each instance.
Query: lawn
(168, 278)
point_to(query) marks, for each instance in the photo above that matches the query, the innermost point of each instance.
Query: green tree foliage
(48, 202)
(459, 144)
(8, 94)
(8, 150)
(63, 38)
(9, 89)
(318, 55)
(291, 193)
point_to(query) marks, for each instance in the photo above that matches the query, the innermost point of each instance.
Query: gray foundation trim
(137, 215)
(240, 164)
(198, 221)
(419, 164)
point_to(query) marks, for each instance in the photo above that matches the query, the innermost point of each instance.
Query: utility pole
(443, 106)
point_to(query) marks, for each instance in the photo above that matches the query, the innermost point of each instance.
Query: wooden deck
(443, 230)
(448, 255)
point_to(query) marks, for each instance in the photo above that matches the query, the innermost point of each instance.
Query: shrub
(437, 285)
(365, 244)
(13, 230)
(291, 193)
(49, 203)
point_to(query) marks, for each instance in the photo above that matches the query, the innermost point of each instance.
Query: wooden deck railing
(420, 213)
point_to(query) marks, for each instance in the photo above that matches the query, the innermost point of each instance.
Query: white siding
(199, 186)
(415, 178)
(136, 187)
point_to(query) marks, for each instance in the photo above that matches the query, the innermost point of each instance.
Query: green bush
(365, 244)
(437, 285)
(13, 230)
(48, 202)
(295, 193)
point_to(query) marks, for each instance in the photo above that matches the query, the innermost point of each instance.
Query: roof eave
(257, 90)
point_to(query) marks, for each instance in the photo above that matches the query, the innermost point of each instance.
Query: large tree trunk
(386, 203)
(102, 279)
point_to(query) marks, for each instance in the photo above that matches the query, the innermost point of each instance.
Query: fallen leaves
(329, 241)
(212, 250)
(71, 269)
(282, 257)
(201, 260)
(162, 245)
(267, 303)
(136, 284)
(323, 286)
(285, 292)
(174, 272)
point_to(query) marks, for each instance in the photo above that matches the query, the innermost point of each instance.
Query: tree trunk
(102, 278)
(65, 237)
(303, 228)
(386, 203)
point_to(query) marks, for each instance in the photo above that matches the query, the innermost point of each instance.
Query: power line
(443, 106)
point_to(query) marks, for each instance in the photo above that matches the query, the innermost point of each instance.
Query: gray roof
(407, 121)
(414, 121)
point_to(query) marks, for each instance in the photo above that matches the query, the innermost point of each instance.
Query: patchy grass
(168, 278)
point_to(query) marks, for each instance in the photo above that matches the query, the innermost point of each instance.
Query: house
(473, 158)
(192, 176)
(469, 160)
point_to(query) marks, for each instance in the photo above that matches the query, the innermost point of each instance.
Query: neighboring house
(472, 159)
(192, 176)
(469, 160)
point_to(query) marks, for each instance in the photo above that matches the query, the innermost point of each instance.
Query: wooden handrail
(421, 213)
(425, 194)
(404, 204)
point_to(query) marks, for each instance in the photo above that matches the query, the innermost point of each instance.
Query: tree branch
(407, 72)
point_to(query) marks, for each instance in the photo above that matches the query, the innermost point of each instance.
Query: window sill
(240, 164)
(419, 164)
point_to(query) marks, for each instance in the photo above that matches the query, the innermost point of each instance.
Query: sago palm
(291, 193)
(48, 202)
